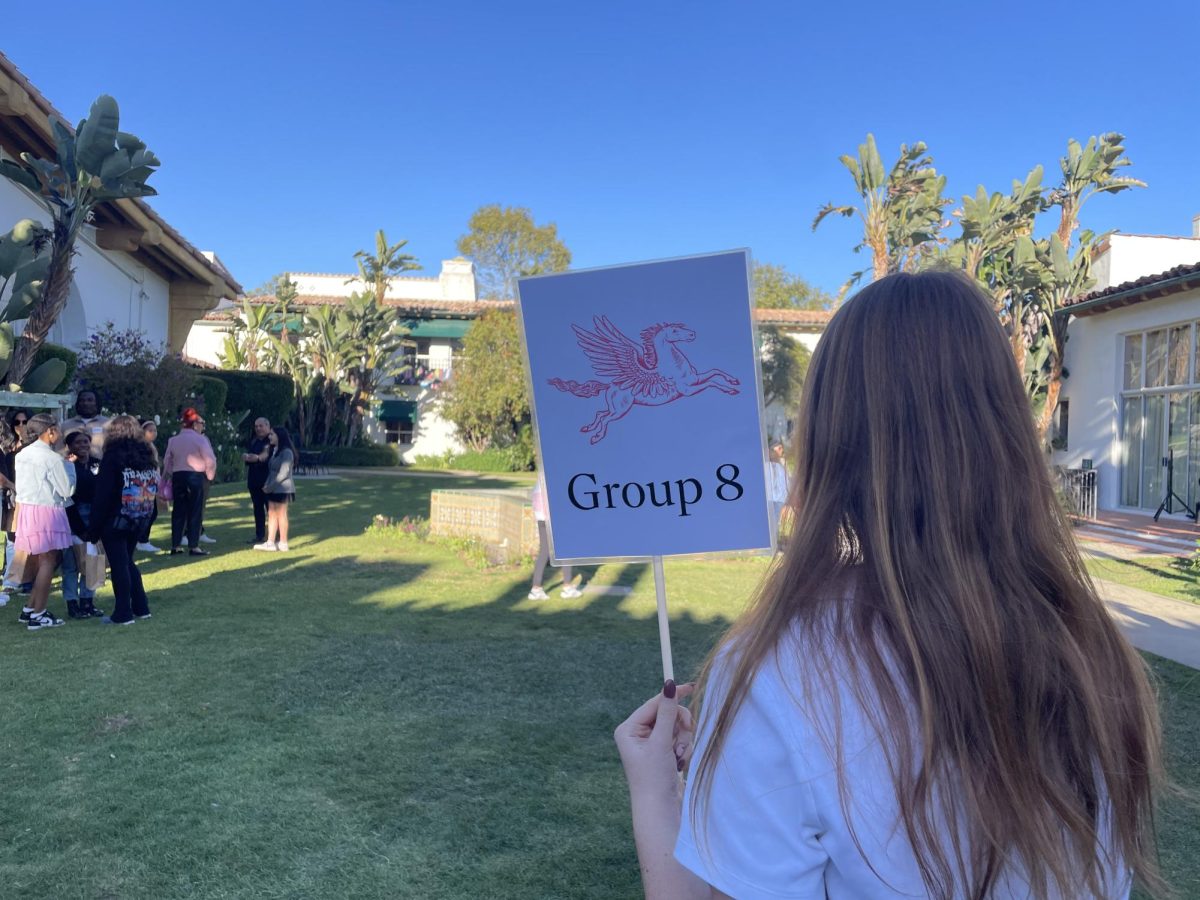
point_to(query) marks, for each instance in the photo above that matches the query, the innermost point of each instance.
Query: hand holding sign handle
(664, 625)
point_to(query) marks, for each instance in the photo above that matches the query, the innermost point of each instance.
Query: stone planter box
(501, 519)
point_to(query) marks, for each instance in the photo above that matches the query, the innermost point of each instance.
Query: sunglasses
(20, 421)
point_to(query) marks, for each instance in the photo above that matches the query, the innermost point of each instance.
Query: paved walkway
(1155, 623)
(403, 472)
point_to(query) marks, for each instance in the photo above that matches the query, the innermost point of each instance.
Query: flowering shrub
(130, 374)
(222, 432)
(412, 527)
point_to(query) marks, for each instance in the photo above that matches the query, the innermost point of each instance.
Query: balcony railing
(424, 370)
(1079, 489)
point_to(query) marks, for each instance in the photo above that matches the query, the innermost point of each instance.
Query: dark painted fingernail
(669, 689)
(679, 765)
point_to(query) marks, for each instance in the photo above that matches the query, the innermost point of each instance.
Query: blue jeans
(73, 586)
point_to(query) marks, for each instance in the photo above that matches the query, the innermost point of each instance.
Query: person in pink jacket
(191, 462)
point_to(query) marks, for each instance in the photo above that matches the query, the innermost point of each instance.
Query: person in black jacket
(81, 601)
(256, 475)
(126, 492)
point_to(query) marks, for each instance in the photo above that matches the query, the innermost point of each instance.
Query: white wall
(456, 281)
(206, 340)
(1093, 361)
(1133, 256)
(110, 286)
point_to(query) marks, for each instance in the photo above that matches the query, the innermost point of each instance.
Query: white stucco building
(131, 268)
(1132, 391)
(435, 311)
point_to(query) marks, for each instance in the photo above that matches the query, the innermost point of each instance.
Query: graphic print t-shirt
(139, 490)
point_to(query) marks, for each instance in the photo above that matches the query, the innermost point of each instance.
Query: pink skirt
(42, 528)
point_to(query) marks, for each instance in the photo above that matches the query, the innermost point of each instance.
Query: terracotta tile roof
(805, 318)
(198, 363)
(470, 308)
(817, 318)
(1148, 287)
(10, 69)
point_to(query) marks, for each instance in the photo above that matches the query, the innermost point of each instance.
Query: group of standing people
(56, 501)
(89, 488)
(270, 479)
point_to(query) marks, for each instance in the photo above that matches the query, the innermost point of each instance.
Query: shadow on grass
(359, 717)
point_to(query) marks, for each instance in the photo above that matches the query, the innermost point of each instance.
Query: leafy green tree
(328, 350)
(776, 288)
(901, 208)
(487, 397)
(505, 245)
(93, 163)
(373, 345)
(784, 366)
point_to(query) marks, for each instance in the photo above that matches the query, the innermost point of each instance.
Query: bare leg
(281, 522)
(47, 563)
(272, 522)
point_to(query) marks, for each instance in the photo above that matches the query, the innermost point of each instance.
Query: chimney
(1196, 226)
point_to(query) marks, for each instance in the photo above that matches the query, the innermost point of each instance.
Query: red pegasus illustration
(652, 373)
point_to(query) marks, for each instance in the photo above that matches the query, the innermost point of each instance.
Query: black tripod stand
(1169, 462)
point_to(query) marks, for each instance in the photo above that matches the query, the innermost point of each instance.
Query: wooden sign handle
(664, 625)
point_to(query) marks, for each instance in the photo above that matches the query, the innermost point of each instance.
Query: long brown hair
(930, 549)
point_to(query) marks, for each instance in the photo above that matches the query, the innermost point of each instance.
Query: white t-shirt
(774, 826)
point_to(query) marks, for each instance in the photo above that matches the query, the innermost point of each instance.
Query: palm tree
(375, 270)
(901, 210)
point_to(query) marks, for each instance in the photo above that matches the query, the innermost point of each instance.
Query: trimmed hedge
(494, 459)
(55, 351)
(214, 391)
(380, 455)
(262, 393)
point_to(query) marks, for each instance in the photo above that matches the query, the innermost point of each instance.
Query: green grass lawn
(1158, 574)
(363, 717)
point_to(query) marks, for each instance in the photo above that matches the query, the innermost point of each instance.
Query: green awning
(438, 328)
(391, 410)
(293, 323)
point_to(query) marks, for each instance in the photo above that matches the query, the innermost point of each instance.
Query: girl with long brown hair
(926, 697)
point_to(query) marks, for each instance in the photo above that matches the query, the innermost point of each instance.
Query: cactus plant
(94, 163)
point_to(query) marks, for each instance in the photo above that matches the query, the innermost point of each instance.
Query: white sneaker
(3, 599)
(281, 546)
(147, 547)
(570, 593)
(205, 539)
(266, 545)
(538, 594)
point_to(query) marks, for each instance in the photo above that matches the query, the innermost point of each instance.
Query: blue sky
(289, 132)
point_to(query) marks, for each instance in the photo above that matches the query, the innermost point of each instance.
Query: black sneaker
(45, 619)
(73, 610)
(23, 618)
(146, 616)
(198, 551)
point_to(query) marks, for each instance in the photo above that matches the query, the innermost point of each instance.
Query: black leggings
(187, 508)
(543, 557)
(129, 597)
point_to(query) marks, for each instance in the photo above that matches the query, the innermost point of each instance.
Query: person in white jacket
(45, 483)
